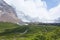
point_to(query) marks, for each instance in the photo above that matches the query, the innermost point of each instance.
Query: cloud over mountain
(36, 9)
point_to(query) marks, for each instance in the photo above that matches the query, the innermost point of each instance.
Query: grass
(10, 31)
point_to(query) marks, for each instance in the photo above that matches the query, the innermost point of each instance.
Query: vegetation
(10, 31)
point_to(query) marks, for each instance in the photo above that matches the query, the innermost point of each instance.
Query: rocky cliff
(7, 13)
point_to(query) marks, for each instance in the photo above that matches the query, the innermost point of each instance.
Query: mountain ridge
(7, 13)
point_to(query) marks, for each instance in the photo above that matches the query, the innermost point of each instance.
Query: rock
(7, 13)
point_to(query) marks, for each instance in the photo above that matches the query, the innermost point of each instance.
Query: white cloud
(36, 8)
(8, 1)
(55, 12)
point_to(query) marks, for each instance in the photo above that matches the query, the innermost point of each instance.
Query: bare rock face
(7, 13)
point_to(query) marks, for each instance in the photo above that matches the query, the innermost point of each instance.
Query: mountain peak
(7, 13)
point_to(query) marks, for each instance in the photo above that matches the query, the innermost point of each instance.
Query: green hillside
(10, 31)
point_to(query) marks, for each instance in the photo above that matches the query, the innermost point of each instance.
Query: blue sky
(41, 9)
(52, 3)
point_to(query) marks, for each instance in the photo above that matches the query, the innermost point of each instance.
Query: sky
(43, 10)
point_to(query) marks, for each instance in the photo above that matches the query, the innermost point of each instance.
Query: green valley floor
(10, 31)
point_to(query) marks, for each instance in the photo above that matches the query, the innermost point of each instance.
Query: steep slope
(7, 13)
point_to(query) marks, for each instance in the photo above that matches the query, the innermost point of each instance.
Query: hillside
(10, 31)
(7, 13)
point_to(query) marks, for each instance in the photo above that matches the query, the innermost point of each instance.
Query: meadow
(10, 31)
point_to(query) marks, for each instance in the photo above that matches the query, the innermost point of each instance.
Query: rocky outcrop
(7, 13)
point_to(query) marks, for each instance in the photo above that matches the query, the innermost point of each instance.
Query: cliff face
(7, 13)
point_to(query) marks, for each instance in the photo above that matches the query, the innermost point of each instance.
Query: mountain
(7, 13)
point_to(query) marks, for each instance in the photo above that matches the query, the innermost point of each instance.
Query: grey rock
(7, 13)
